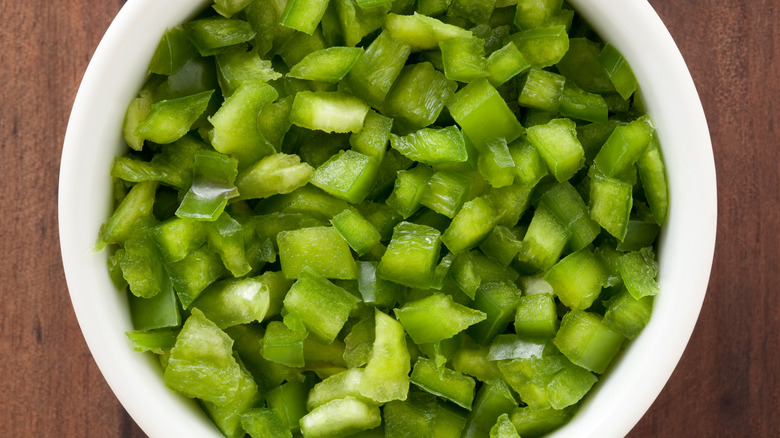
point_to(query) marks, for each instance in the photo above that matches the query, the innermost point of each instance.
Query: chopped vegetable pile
(381, 218)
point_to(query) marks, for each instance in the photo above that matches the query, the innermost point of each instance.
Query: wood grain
(725, 385)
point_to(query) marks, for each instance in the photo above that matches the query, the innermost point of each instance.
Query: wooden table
(726, 384)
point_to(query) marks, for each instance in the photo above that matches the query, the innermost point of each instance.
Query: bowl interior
(93, 139)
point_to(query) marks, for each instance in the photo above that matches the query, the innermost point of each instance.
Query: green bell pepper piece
(320, 249)
(444, 382)
(618, 71)
(638, 270)
(339, 418)
(493, 399)
(272, 175)
(536, 316)
(483, 114)
(322, 306)
(498, 301)
(212, 34)
(586, 341)
(202, 364)
(417, 97)
(557, 143)
(471, 225)
(213, 175)
(237, 66)
(303, 15)
(652, 173)
(168, 120)
(328, 65)
(360, 234)
(235, 123)
(373, 75)
(542, 46)
(194, 273)
(436, 318)
(158, 341)
(227, 417)
(264, 422)
(432, 145)
(328, 111)
(172, 52)
(283, 345)
(464, 58)
(503, 428)
(624, 147)
(411, 256)
(348, 175)
(386, 375)
(504, 64)
(289, 402)
(234, 301)
(577, 279)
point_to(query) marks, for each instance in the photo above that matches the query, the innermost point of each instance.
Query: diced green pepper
(565, 203)
(421, 32)
(172, 52)
(386, 375)
(417, 97)
(157, 341)
(611, 200)
(432, 145)
(213, 175)
(638, 270)
(283, 345)
(201, 363)
(504, 428)
(544, 241)
(328, 111)
(471, 225)
(411, 256)
(320, 249)
(497, 300)
(532, 423)
(624, 147)
(289, 402)
(348, 175)
(328, 65)
(558, 145)
(579, 104)
(373, 75)
(313, 296)
(168, 120)
(435, 318)
(577, 279)
(504, 64)
(493, 399)
(542, 90)
(446, 192)
(264, 422)
(272, 175)
(194, 273)
(446, 383)
(210, 35)
(536, 316)
(227, 416)
(234, 301)
(303, 15)
(238, 66)
(618, 71)
(408, 191)
(586, 341)
(339, 418)
(483, 114)
(542, 46)
(464, 58)
(652, 173)
(372, 138)
(360, 234)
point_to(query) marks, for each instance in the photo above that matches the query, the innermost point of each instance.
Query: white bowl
(687, 243)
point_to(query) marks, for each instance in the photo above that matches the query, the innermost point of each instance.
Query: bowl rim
(663, 75)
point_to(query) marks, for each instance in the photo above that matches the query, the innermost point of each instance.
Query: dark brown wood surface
(726, 384)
